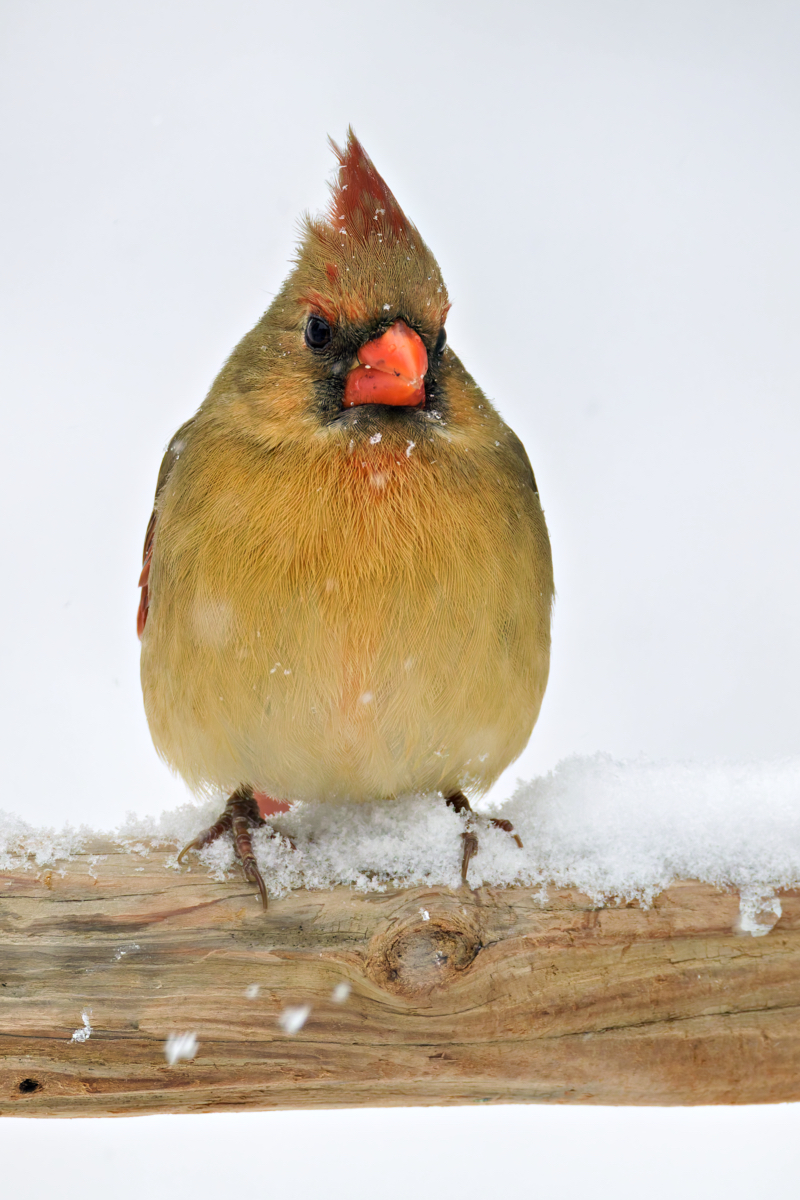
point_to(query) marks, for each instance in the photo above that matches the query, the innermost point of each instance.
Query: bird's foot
(460, 803)
(240, 817)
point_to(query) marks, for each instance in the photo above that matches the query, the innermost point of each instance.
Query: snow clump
(614, 830)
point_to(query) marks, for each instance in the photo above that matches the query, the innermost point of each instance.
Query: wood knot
(422, 953)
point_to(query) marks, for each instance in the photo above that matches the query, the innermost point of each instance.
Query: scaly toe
(240, 817)
(470, 840)
(502, 823)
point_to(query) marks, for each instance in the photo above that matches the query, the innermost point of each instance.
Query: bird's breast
(375, 598)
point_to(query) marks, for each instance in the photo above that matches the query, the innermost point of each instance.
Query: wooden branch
(455, 997)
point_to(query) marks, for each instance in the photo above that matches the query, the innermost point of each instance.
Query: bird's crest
(364, 255)
(361, 202)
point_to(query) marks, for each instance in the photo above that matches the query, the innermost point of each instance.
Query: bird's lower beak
(391, 370)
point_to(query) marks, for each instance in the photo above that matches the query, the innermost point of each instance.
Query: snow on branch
(611, 960)
(617, 831)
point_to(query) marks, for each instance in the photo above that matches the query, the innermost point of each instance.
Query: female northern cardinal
(347, 578)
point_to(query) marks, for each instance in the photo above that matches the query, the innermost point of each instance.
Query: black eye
(318, 333)
(441, 341)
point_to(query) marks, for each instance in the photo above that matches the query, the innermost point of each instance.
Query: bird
(347, 578)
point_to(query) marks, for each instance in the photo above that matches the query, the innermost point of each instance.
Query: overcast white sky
(612, 190)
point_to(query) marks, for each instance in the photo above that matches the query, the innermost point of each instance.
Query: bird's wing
(172, 455)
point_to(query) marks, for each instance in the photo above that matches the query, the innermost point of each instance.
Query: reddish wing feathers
(171, 456)
(360, 199)
(144, 578)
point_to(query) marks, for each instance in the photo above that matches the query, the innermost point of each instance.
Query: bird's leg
(240, 817)
(460, 803)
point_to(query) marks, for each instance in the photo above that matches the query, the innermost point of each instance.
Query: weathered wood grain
(456, 997)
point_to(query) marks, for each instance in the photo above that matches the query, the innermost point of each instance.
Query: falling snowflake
(293, 1019)
(180, 1045)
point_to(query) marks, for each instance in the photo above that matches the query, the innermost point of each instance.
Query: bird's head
(371, 300)
(355, 340)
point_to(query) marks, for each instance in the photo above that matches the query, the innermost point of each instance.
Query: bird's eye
(441, 341)
(318, 333)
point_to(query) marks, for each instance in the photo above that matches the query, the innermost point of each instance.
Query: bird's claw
(209, 835)
(240, 817)
(253, 875)
(502, 823)
(460, 803)
(195, 844)
(470, 840)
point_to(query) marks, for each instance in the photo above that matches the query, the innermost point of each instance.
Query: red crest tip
(361, 203)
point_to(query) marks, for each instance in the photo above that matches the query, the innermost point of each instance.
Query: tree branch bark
(460, 997)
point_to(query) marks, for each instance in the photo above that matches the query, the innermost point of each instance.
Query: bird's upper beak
(391, 370)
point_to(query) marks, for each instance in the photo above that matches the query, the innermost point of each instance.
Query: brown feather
(346, 604)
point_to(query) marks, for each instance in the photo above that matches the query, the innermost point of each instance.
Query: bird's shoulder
(519, 457)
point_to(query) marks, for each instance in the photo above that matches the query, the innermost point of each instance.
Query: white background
(612, 190)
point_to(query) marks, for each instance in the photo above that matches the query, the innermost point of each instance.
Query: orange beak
(391, 370)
